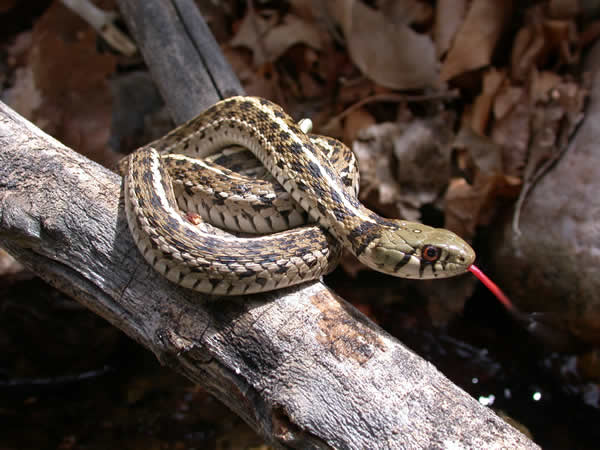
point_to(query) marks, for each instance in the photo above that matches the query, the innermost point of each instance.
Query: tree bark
(301, 366)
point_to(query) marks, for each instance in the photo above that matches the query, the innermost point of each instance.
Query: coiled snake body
(215, 262)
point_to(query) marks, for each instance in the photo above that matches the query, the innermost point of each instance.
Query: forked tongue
(546, 327)
(493, 287)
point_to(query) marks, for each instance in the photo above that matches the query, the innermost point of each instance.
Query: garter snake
(219, 263)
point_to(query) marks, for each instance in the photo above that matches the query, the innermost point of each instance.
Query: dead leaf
(309, 87)
(449, 14)
(409, 12)
(468, 206)
(560, 35)
(462, 205)
(251, 35)
(374, 149)
(262, 83)
(73, 105)
(484, 154)
(552, 125)
(292, 31)
(477, 37)
(356, 121)
(563, 9)
(268, 40)
(506, 99)
(512, 131)
(408, 165)
(352, 92)
(541, 84)
(480, 114)
(541, 40)
(548, 122)
(589, 34)
(527, 51)
(391, 54)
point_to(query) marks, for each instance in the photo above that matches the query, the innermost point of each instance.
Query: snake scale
(220, 263)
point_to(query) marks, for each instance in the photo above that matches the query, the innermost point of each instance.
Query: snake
(195, 255)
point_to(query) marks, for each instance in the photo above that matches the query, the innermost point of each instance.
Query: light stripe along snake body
(220, 263)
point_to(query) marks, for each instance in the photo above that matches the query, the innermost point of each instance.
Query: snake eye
(430, 253)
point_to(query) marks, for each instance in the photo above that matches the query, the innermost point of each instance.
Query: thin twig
(396, 98)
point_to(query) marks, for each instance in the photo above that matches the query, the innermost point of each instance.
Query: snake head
(412, 250)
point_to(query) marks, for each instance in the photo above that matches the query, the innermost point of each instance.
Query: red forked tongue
(493, 287)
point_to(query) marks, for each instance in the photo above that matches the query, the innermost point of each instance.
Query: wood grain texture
(185, 60)
(301, 366)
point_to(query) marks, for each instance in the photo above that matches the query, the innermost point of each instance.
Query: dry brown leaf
(329, 126)
(409, 12)
(406, 165)
(512, 133)
(251, 35)
(468, 206)
(240, 60)
(449, 14)
(560, 35)
(541, 85)
(391, 54)
(491, 188)
(374, 150)
(507, 98)
(553, 123)
(485, 155)
(268, 40)
(355, 91)
(423, 155)
(480, 113)
(477, 37)
(563, 9)
(356, 121)
(527, 50)
(309, 87)
(548, 121)
(262, 83)
(461, 208)
(304, 9)
(292, 31)
(73, 105)
(541, 40)
(589, 34)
